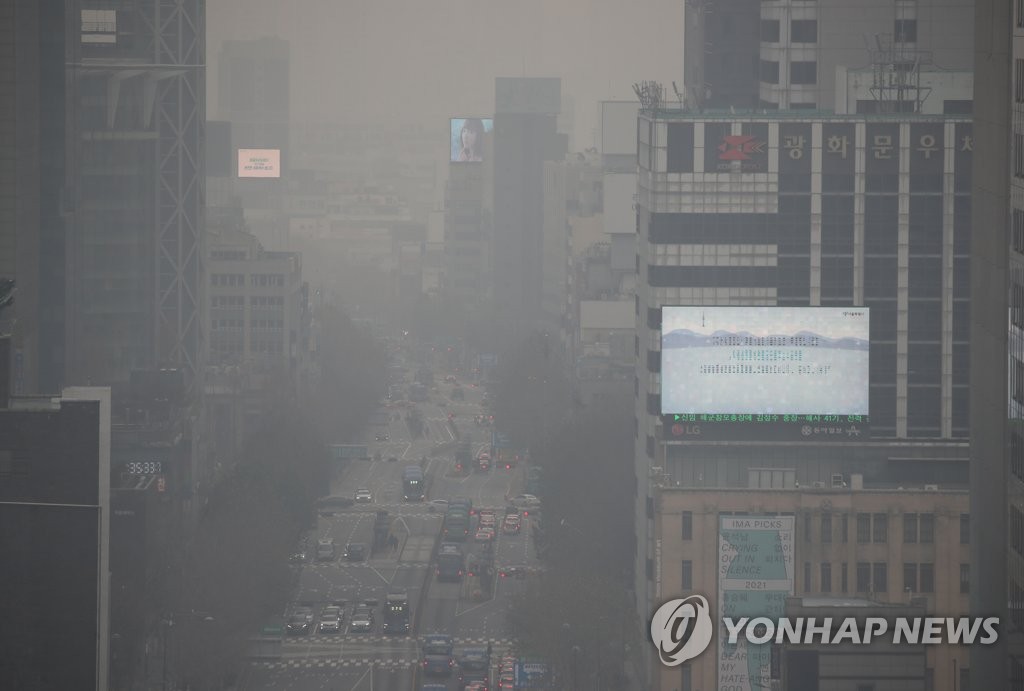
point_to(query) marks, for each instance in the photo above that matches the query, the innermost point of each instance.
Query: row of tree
(233, 573)
(578, 615)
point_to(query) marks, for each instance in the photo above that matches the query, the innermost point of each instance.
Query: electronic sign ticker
(764, 373)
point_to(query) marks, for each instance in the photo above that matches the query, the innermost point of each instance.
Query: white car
(363, 494)
(525, 501)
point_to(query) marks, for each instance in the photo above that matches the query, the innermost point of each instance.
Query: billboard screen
(259, 163)
(764, 361)
(468, 139)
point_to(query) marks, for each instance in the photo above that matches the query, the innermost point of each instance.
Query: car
(485, 534)
(381, 436)
(476, 686)
(449, 379)
(438, 665)
(511, 525)
(437, 505)
(297, 558)
(487, 522)
(525, 501)
(355, 551)
(300, 622)
(363, 495)
(362, 619)
(325, 550)
(507, 682)
(487, 514)
(434, 687)
(330, 619)
(392, 459)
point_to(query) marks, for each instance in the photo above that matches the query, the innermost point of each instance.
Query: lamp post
(575, 655)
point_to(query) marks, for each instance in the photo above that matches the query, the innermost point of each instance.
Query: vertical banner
(755, 576)
(963, 157)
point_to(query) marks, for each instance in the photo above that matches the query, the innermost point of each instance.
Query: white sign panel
(259, 163)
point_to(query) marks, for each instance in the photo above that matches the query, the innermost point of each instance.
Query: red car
(511, 525)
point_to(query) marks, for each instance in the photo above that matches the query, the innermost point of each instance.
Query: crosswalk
(387, 659)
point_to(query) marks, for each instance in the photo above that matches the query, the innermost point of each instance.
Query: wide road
(373, 661)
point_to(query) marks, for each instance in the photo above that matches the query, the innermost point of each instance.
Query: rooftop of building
(759, 115)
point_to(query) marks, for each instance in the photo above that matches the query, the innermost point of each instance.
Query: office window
(863, 577)
(1018, 155)
(1018, 230)
(965, 578)
(1019, 14)
(826, 577)
(1017, 304)
(965, 529)
(769, 71)
(965, 679)
(807, 527)
(927, 528)
(807, 576)
(687, 574)
(844, 525)
(803, 31)
(880, 581)
(687, 525)
(844, 581)
(1018, 380)
(863, 528)
(927, 576)
(826, 527)
(803, 72)
(910, 527)
(769, 31)
(881, 532)
(910, 578)
(1018, 80)
(905, 31)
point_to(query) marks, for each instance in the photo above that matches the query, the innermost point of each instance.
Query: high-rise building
(525, 136)
(792, 54)
(32, 186)
(135, 204)
(253, 79)
(997, 341)
(792, 210)
(55, 509)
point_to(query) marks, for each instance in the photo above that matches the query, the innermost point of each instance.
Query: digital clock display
(143, 467)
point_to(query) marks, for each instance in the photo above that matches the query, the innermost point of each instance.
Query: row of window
(800, 31)
(870, 577)
(238, 280)
(239, 301)
(228, 255)
(800, 72)
(254, 324)
(918, 528)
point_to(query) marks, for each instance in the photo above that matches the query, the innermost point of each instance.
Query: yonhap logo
(681, 629)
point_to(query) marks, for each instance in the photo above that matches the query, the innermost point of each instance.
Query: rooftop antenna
(650, 94)
(679, 96)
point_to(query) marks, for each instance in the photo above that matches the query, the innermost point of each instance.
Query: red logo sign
(738, 147)
(161, 484)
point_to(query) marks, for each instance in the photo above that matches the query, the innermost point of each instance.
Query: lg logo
(681, 629)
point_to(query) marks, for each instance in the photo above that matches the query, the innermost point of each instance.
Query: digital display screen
(468, 139)
(259, 163)
(795, 362)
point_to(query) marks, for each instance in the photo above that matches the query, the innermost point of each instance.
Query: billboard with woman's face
(468, 139)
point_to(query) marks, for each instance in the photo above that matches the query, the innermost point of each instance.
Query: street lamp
(575, 655)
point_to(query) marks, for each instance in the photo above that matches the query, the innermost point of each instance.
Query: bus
(396, 612)
(456, 525)
(451, 562)
(412, 483)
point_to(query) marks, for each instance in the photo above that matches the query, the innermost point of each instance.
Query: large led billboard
(259, 163)
(468, 139)
(764, 361)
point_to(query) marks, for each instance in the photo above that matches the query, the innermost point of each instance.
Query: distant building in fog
(786, 55)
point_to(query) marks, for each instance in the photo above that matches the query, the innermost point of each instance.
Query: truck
(451, 562)
(412, 483)
(396, 612)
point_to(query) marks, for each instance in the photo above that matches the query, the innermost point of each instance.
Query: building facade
(786, 54)
(880, 545)
(136, 107)
(32, 185)
(809, 210)
(997, 346)
(55, 509)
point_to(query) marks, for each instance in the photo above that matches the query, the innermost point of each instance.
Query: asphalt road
(350, 661)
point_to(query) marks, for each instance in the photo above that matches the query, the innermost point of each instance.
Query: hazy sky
(425, 60)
